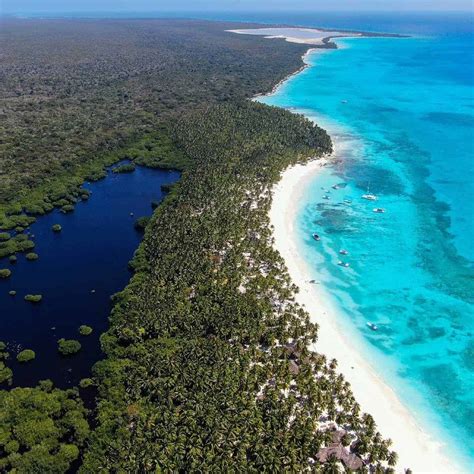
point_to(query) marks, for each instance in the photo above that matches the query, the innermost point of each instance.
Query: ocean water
(91, 253)
(401, 112)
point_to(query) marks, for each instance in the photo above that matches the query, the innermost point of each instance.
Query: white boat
(316, 237)
(343, 264)
(369, 197)
(372, 326)
(343, 252)
(335, 186)
(379, 210)
(326, 197)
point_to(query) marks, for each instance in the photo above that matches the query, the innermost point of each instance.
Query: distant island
(317, 37)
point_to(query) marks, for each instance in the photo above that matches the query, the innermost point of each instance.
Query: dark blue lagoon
(77, 271)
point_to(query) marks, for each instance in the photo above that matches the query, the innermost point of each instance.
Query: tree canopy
(42, 429)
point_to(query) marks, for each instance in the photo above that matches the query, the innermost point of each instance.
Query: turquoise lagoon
(401, 112)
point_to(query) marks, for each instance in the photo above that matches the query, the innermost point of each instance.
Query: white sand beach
(310, 36)
(417, 450)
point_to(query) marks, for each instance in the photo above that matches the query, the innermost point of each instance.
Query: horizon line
(297, 10)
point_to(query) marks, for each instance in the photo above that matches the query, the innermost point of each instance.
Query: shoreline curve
(417, 449)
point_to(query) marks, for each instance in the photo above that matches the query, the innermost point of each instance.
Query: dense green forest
(207, 363)
(72, 90)
(207, 366)
(79, 95)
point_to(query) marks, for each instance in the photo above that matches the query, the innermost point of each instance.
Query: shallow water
(91, 253)
(402, 112)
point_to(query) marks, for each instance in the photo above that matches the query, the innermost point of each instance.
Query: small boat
(316, 237)
(131, 213)
(369, 197)
(348, 201)
(372, 326)
(343, 264)
(335, 186)
(343, 252)
(379, 210)
(326, 197)
(344, 101)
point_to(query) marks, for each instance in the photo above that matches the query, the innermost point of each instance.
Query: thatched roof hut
(337, 451)
(294, 368)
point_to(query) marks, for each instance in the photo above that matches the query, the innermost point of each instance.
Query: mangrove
(68, 346)
(34, 298)
(26, 355)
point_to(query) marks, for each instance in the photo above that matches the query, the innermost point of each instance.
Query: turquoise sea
(402, 113)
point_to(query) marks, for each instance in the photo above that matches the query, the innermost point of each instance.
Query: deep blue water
(402, 113)
(91, 253)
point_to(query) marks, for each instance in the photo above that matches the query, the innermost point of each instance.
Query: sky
(10, 6)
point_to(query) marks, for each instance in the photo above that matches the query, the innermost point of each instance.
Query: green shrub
(85, 383)
(68, 346)
(6, 374)
(20, 238)
(31, 256)
(33, 298)
(25, 246)
(41, 429)
(85, 194)
(26, 355)
(35, 209)
(14, 209)
(46, 385)
(61, 202)
(141, 223)
(127, 168)
(85, 330)
(167, 187)
(4, 236)
(5, 273)
(67, 208)
(56, 228)
(12, 258)
(17, 221)
(96, 175)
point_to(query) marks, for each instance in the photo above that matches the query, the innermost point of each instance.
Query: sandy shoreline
(289, 76)
(416, 449)
(309, 36)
